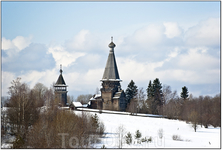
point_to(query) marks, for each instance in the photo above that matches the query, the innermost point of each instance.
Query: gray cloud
(33, 57)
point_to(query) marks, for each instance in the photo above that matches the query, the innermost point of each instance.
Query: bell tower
(60, 90)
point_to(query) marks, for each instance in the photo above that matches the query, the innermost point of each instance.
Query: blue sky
(177, 42)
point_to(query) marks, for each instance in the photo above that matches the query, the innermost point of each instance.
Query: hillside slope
(149, 127)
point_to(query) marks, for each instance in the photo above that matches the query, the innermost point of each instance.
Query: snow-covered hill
(149, 127)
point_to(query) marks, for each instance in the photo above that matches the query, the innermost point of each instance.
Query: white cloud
(142, 56)
(143, 39)
(80, 40)
(197, 59)
(151, 35)
(86, 41)
(172, 29)
(7, 78)
(22, 42)
(18, 43)
(205, 33)
(173, 53)
(63, 57)
(32, 77)
(130, 69)
(7, 44)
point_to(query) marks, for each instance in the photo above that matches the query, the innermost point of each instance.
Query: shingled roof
(111, 71)
(60, 79)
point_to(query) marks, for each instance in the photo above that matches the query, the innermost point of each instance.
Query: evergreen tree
(158, 94)
(154, 96)
(149, 90)
(138, 134)
(131, 91)
(184, 93)
(128, 138)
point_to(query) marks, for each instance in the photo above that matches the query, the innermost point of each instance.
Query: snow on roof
(85, 105)
(92, 98)
(115, 97)
(95, 96)
(77, 104)
(111, 80)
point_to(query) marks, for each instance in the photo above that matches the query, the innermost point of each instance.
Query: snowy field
(149, 127)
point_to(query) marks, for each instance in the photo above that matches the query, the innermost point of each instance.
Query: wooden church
(112, 97)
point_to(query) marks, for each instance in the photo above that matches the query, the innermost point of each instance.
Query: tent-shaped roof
(111, 70)
(60, 80)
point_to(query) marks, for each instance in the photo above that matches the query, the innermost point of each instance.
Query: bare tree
(49, 98)
(97, 91)
(141, 96)
(62, 129)
(120, 134)
(40, 91)
(132, 106)
(84, 99)
(70, 99)
(23, 111)
(194, 119)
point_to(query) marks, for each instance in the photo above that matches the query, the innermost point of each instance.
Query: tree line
(161, 100)
(33, 117)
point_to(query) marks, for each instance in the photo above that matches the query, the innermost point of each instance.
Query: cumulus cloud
(197, 59)
(194, 67)
(205, 33)
(140, 71)
(153, 51)
(172, 29)
(80, 40)
(7, 44)
(19, 43)
(7, 77)
(33, 57)
(145, 37)
(85, 41)
(64, 57)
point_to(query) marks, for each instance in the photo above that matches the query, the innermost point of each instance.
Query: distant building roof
(96, 96)
(77, 104)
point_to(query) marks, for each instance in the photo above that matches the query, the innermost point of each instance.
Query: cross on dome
(112, 45)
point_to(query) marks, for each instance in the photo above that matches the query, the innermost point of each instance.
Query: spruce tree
(158, 94)
(154, 96)
(138, 134)
(128, 138)
(184, 93)
(131, 91)
(149, 90)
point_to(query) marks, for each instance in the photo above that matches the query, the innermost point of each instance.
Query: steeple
(111, 71)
